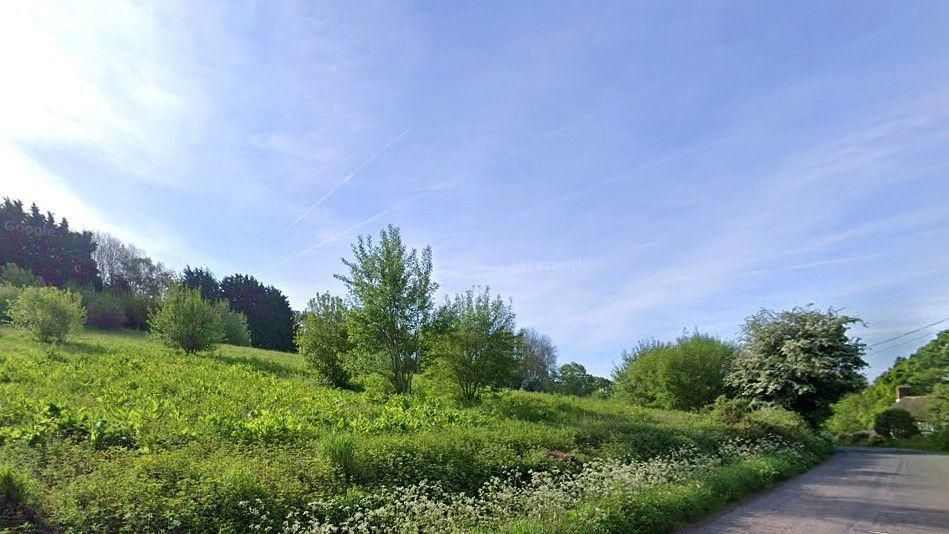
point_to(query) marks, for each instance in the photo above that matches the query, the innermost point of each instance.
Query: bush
(895, 423)
(340, 450)
(50, 314)
(104, 310)
(186, 321)
(137, 310)
(323, 339)
(13, 275)
(234, 324)
(685, 375)
(7, 295)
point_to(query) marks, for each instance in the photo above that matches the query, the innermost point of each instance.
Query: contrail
(349, 229)
(349, 177)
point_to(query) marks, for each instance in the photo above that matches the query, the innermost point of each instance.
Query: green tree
(895, 423)
(390, 296)
(266, 308)
(203, 280)
(323, 339)
(801, 360)
(186, 321)
(685, 375)
(233, 324)
(476, 345)
(536, 361)
(572, 379)
(50, 314)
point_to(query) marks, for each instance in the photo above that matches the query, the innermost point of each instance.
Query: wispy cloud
(348, 177)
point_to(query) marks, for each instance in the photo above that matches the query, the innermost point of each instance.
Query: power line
(904, 334)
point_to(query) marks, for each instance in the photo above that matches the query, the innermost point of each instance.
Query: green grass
(118, 433)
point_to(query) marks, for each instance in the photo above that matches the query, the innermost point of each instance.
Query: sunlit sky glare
(620, 171)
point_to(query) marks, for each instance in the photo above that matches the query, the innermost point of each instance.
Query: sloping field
(114, 432)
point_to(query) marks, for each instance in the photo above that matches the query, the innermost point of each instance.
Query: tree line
(121, 286)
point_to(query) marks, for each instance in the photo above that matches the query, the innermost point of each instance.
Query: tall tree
(48, 249)
(126, 269)
(203, 280)
(268, 311)
(476, 348)
(801, 359)
(537, 361)
(573, 379)
(390, 295)
(323, 340)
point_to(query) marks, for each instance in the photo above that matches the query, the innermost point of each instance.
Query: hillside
(113, 431)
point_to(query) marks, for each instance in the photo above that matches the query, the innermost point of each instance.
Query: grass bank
(113, 432)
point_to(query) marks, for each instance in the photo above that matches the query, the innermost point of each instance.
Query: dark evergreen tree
(48, 249)
(268, 311)
(204, 280)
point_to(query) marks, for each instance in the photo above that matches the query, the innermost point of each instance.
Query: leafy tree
(7, 295)
(895, 423)
(233, 324)
(476, 347)
(186, 321)
(572, 379)
(686, 375)
(801, 360)
(48, 249)
(203, 280)
(12, 274)
(267, 310)
(923, 372)
(390, 296)
(536, 361)
(104, 309)
(126, 269)
(50, 314)
(323, 339)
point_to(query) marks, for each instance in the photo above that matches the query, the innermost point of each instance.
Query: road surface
(860, 490)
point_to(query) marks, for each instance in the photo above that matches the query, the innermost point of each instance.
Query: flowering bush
(547, 496)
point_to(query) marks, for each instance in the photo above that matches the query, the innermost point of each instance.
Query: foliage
(685, 375)
(186, 321)
(233, 324)
(123, 434)
(126, 269)
(536, 361)
(390, 297)
(50, 314)
(924, 373)
(323, 340)
(895, 423)
(12, 274)
(104, 309)
(203, 280)
(7, 295)
(48, 249)
(572, 379)
(476, 344)
(801, 359)
(267, 310)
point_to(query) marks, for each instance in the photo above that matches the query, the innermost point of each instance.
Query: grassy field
(114, 432)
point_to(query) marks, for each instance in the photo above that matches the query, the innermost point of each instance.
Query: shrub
(729, 411)
(13, 275)
(234, 325)
(186, 321)
(7, 295)
(49, 313)
(104, 310)
(895, 423)
(685, 375)
(323, 340)
(137, 310)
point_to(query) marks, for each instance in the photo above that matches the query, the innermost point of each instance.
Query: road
(860, 490)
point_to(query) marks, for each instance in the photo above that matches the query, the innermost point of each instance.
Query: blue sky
(619, 170)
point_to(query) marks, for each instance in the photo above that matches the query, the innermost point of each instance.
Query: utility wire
(904, 334)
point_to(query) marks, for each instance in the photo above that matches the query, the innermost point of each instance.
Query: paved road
(860, 490)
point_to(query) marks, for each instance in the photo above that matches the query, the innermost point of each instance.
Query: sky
(620, 171)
